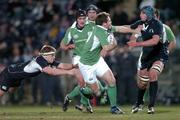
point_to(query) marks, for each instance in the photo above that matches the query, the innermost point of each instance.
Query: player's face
(51, 58)
(109, 23)
(91, 14)
(143, 16)
(81, 21)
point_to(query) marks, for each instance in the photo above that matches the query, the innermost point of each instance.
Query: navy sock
(153, 88)
(140, 96)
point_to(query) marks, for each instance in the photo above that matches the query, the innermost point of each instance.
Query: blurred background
(25, 25)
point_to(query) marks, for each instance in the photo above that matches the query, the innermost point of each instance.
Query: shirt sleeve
(103, 37)
(68, 37)
(170, 35)
(158, 28)
(135, 25)
(55, 63)
(42, 62)
(113, 29)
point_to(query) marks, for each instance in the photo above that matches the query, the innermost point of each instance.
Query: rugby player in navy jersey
(153, 57)
(12, 75)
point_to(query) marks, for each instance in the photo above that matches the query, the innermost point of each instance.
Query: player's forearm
(110, 46)
(150, 42)
(63, 46)
(124, 29)
(60, 72)
(65, 66)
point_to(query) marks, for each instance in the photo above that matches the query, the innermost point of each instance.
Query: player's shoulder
(139, 22)
(100, 28)
(40, 59)
(157, 22)
(166, 27)
(136, 23)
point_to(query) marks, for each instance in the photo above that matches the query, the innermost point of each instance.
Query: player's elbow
(173, 44)
(110, 47)
(50, 73)
(155, 42)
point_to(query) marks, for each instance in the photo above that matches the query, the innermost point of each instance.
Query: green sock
(85, 101)
(87, 90)
(112, 94)
(74, 92)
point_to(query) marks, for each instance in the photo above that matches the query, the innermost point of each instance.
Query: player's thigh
(104, 72)
(109, 78)
(155, 70)
(79, 77)
(88, 73)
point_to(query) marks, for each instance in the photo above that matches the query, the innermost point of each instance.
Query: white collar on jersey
(102, 27)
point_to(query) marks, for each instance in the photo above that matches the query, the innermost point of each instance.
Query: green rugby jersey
(98, 38)
(78, 37)
(169, 35)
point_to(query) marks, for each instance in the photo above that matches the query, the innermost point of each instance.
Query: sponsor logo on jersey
(145, 27)
(90, 79)
(75, 36)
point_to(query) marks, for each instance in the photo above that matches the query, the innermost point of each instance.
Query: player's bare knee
(111, 82)
(157, 66)
(142, 84)
(97, 92)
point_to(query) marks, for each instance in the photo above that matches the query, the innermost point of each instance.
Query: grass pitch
(100, 113)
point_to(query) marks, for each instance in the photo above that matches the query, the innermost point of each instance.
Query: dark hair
(80, 13)
(157, 13)
(101, 18)
(47, 50)
(92, 7)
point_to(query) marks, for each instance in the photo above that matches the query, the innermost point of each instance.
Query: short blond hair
(47, 50)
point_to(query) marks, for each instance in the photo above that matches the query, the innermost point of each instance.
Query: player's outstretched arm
(55, 71)
(126, 29)
(65, 66)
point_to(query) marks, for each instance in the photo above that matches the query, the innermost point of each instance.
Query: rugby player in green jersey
(168, 34)
(74, 39)
(92, 11)
(92, 65)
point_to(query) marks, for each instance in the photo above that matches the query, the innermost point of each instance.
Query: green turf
(100, 113)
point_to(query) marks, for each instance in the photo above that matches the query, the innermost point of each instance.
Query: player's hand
(71, 46)
(132, 44)
(103, 53)
(138, 29)
(132, 38)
